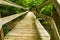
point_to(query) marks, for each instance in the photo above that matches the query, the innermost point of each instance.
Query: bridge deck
(27, 30)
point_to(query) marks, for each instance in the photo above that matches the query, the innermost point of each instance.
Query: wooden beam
(42, 32)
(11, 4)
(54, 33)
(9, 18)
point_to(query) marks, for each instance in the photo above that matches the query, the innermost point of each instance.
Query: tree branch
(45, 3)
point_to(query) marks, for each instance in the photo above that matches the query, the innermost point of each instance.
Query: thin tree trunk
(55, 16)
(57, 6)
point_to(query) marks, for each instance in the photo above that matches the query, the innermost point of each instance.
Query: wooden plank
(42, 32)
(55, 34)
(58, 1)
(10, 18)
(9, 3)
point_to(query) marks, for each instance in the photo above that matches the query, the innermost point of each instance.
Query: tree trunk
(55, 16)
(57, 6)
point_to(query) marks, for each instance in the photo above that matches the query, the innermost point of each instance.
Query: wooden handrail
(12, 17)
(7, 19)
(53, 26)
(28, 29)
(54, 30)
(11, 4)
(42, 32)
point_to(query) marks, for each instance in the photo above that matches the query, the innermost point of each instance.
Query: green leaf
(47, 10)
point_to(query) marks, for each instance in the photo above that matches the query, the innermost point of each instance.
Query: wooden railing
(6, 20)
(42, 32)
(54, 30)
(9, 3)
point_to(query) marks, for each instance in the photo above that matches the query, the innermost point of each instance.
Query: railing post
(1, 33)
(54, 31)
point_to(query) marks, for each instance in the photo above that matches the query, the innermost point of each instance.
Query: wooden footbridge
(28, 27)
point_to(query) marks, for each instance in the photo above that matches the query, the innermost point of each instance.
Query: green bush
(28, 3)
(5, 29)
(47, 10)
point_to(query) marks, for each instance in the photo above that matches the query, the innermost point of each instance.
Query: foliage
(47, 10)
(59, 25)
(28, 3)
(8, 10)
(5, 29)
